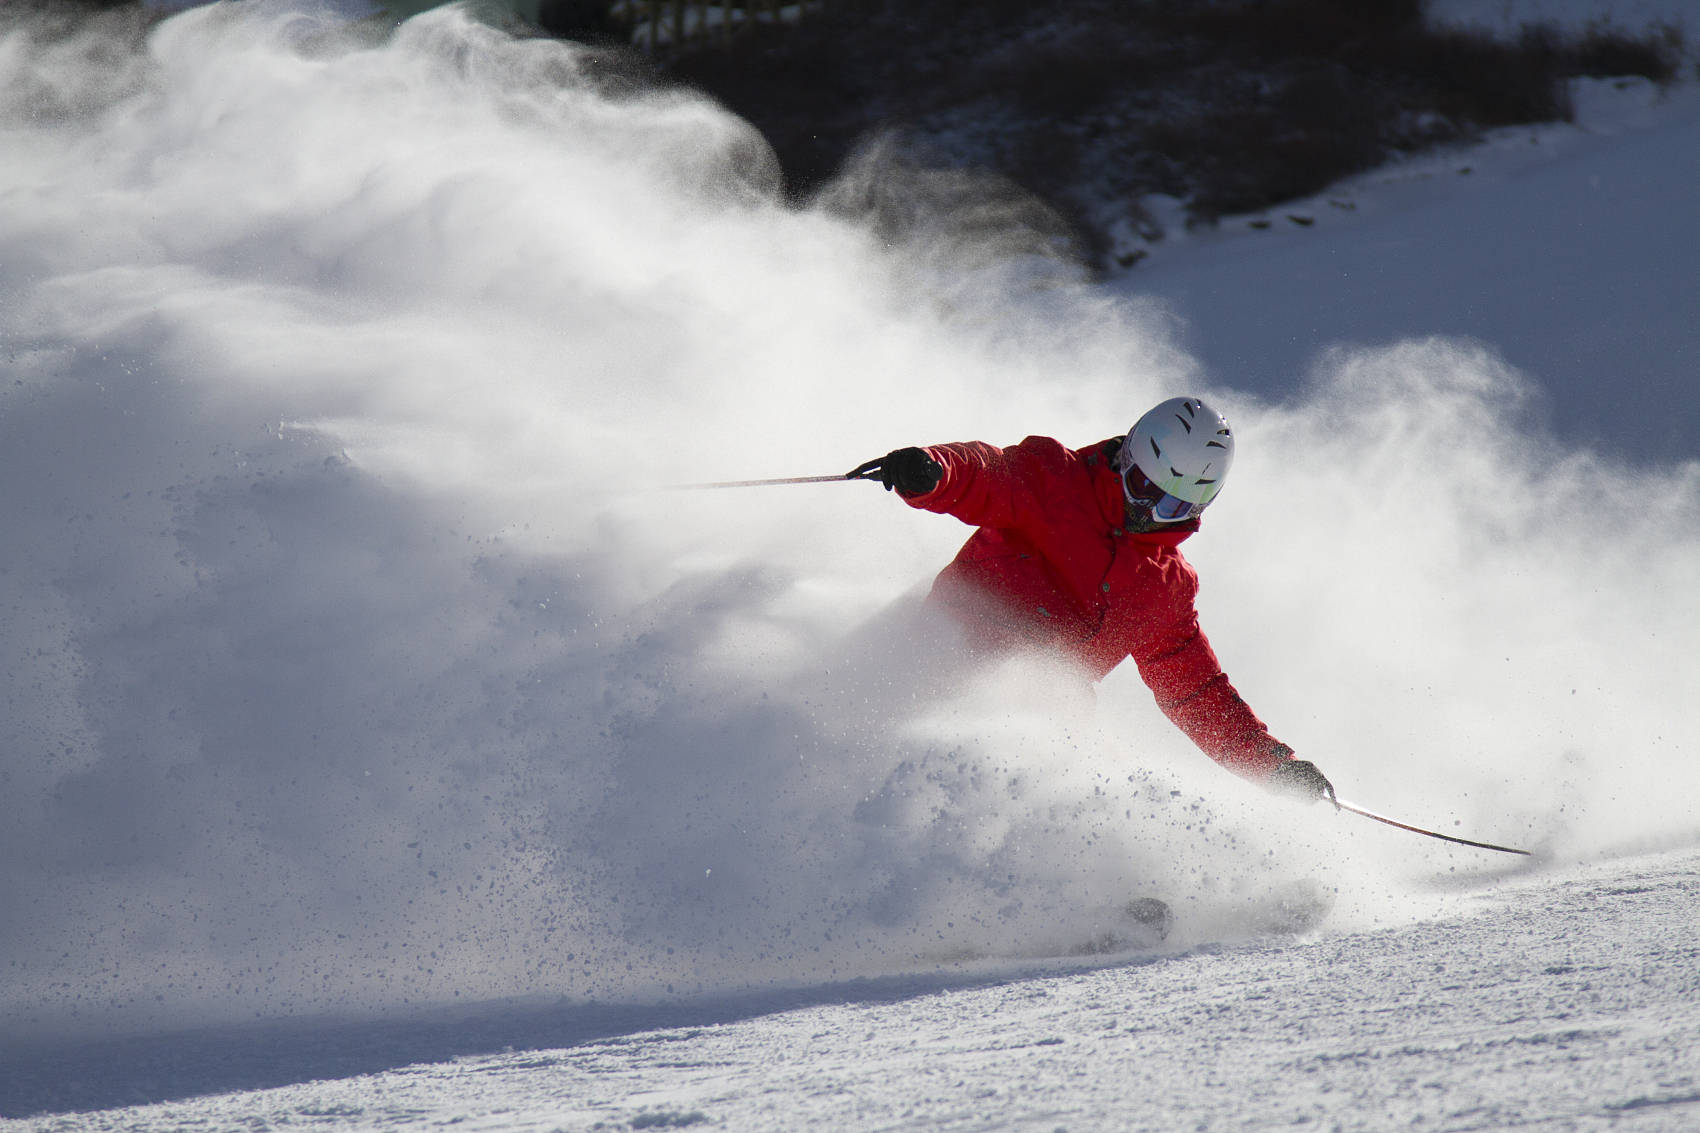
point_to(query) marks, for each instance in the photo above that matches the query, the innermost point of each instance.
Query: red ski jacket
(1052, 565)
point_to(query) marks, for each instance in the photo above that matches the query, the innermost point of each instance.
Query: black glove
(1300, 779)
(910, 470)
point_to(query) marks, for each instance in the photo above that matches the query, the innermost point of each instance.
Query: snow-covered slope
(355, 662)
(1570, 1001)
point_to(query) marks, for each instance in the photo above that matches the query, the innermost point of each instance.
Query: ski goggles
(1141, 493)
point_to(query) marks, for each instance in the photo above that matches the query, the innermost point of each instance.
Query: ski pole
(758, 483)
(1344, 805)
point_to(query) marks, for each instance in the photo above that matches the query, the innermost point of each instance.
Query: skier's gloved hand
(1301, 779)
(910, 470)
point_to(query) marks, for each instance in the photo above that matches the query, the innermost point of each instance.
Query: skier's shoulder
(1051, 454)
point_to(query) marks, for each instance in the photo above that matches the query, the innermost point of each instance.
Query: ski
(1355, 809)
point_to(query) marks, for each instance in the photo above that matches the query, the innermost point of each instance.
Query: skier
(1078, 551)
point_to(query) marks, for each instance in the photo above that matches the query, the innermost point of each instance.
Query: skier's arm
(1184, 675)
(978, 483)
(981, 484)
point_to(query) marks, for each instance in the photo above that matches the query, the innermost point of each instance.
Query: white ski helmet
(1182, 450)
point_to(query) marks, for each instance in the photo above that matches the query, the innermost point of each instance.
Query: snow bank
(353, 653)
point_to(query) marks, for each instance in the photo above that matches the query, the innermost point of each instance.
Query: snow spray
(348, 662)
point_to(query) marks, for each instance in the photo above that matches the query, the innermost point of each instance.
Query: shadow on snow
(46, 1077)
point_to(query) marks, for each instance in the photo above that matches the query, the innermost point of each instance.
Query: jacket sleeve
(982, 485)
(1184, 675)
